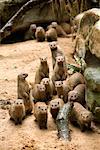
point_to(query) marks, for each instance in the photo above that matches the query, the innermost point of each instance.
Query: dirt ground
(24, 57)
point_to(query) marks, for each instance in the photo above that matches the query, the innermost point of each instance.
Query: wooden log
(62, 121)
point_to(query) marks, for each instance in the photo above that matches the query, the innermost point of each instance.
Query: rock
(88, 20)
(33, 11)
(88, 33)
(92, 76)
(8, 8)
(93, 103)
(94, 40)
(78, 18)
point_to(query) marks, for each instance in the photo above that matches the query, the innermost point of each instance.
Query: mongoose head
(39, 29)
(60, 60)
(86, 117)
(55, 104)
(33, 27)
(41, 87)
(18, 103)
(53, 45)
(54, 24)
(45, 81)
(73, 95)
(22, 76)
(43, 60)
(58, 84)
(42, 107)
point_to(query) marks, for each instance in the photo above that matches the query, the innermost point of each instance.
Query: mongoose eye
(17, 103)
(52, 105)
(58, 103)
(39, 107)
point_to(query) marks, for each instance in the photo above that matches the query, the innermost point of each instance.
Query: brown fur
(41, 114)
(42, 71)
(17, 111)
(40, 34)
(59, 72)
(49, 87)
(30, 34)
(55, 51)
(39, 93)
(51, 35)
(55, 106)
(59, 29)
(23, 91)
(82, 116)
(78, 94)
(75, 79)
(62, 90)
(66, 27)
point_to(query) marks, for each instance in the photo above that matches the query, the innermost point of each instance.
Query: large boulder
(94, 40)
(92, 76)
(88, 37)
(88, 20)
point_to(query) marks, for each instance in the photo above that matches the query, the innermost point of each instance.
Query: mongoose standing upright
(23, 91)
(40, 34)
(62, 90)
(42, 71)
(41, 114)
(55, 51)
(59, 72)
(48, 86)
(17, 111)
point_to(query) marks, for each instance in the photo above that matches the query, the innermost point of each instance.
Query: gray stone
(92, 76)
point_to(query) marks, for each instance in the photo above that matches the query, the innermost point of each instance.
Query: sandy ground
(24, 57)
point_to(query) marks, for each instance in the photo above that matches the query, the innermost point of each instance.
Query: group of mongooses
(53, 31)
(41, 93)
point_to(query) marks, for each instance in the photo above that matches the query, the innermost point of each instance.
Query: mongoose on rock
(49, 87)
(55, 105)
(39, 93)
(59, 72)
(62, 90)
(42, 71)
(81, 116)
(55, 51)
(23, 91)
(59, 29)
(40, 34)
(41, 114)
(75, 79)
(78, 94)
(30, 34)
(51, 35)
(17, 111)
